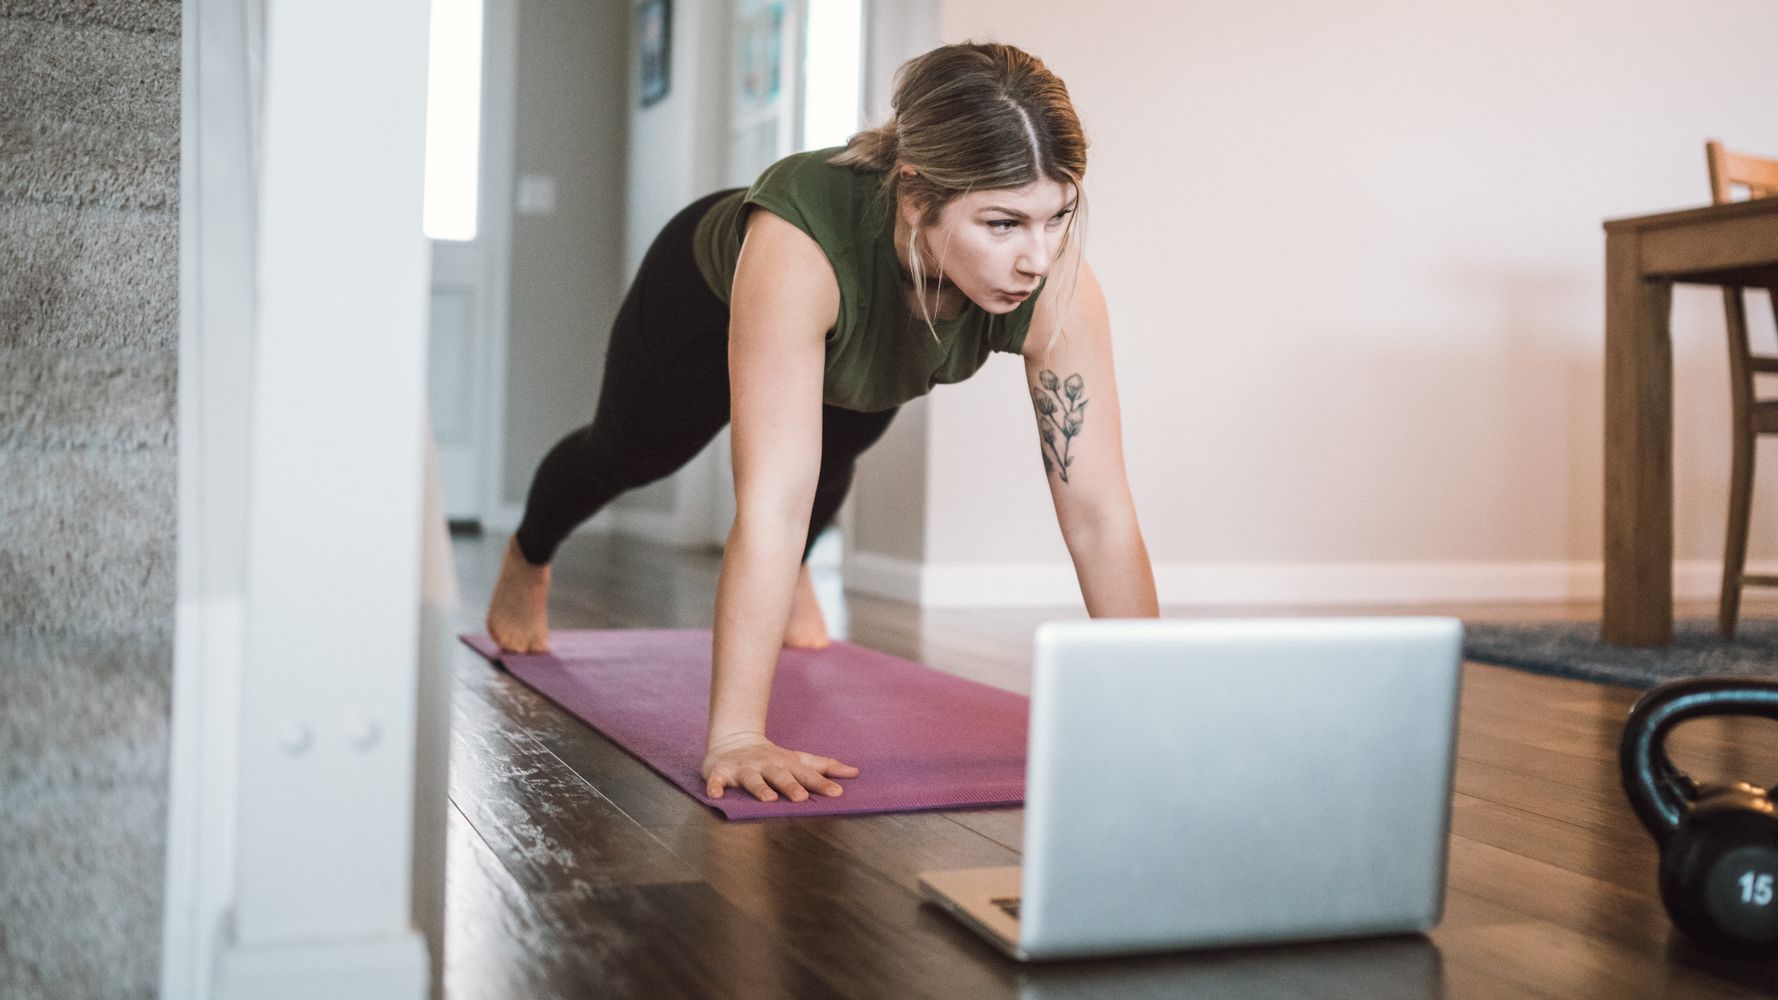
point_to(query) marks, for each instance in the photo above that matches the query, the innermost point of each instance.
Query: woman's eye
(1008, 225)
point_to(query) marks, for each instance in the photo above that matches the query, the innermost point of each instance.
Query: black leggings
(665, 395)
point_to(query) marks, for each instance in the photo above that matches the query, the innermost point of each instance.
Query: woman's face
(996, 245)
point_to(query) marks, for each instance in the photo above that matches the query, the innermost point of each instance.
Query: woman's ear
(909, 209)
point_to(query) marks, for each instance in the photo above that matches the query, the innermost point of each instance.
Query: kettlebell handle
(1659, 791)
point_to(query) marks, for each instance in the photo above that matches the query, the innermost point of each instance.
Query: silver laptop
(1194, 784)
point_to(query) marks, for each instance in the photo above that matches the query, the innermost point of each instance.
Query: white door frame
(297, 680)
(485, 265)
(499, 113)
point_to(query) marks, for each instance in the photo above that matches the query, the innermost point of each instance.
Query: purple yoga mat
(921, 738)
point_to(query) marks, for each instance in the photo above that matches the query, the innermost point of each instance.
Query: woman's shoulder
(810, 171)
(824, 200)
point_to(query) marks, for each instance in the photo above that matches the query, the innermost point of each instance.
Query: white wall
(676, 155)
(676, 144)
(1354, 262)
(570, 119)
(887, 507)
(622, 171)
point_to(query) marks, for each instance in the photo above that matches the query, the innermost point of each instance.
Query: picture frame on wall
(759, 52)
(654, 19)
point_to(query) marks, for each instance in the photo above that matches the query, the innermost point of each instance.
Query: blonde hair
(976, 116)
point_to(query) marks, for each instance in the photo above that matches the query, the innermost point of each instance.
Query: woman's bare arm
(1083, 452)
(784, 300)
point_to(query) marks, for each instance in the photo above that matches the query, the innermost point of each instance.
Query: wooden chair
(1752, 417)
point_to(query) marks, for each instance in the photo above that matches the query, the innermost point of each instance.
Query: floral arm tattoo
(1058, 398)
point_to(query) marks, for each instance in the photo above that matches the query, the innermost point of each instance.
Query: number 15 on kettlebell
(1718, 841)
(1756, 888)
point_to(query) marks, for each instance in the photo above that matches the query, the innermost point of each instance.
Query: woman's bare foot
(518, 614)
(807, 629)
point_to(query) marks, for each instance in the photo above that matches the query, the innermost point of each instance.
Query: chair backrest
(1760, 177)
(1757, 174)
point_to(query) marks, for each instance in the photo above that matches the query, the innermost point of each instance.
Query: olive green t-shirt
(880, 353)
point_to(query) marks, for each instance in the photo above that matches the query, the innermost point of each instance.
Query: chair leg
(1734, 556)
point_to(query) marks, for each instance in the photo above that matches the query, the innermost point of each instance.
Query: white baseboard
(1260, 584)
(884, 576)
(1211, 584)
(392, 968)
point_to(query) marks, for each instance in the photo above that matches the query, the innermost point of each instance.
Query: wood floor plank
(1003, 826)
(1554, 961)
(1567, 765)
(1600, 806)
(1625, 909)
(1405, 968)
(647, 798)
(1617, 854)
(900, 846)
(496, 944)
(548, 826)
(822, 900)
(659, 942)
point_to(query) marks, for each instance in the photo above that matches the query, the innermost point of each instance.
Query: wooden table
(1728, 245)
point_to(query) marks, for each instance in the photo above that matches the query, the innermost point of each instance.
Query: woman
(810, 306)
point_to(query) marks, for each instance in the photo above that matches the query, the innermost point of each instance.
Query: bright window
(832, 70)
(453, 119)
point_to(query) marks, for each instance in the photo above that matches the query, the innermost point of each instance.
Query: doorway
(468, 220)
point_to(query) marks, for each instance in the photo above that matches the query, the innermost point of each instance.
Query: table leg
(1638, 450)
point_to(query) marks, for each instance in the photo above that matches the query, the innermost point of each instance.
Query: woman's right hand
(750, 761)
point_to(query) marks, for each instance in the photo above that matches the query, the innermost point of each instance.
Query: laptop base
(976, 896)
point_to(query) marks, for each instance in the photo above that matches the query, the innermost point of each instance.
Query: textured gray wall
(566, 268)
(89, 229)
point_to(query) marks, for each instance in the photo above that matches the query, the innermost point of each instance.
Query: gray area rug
(1574, 649)
(89, 353)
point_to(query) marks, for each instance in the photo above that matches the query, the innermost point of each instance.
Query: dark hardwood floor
(576, 872)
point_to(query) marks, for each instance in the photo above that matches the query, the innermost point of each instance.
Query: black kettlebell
(1719, 842)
